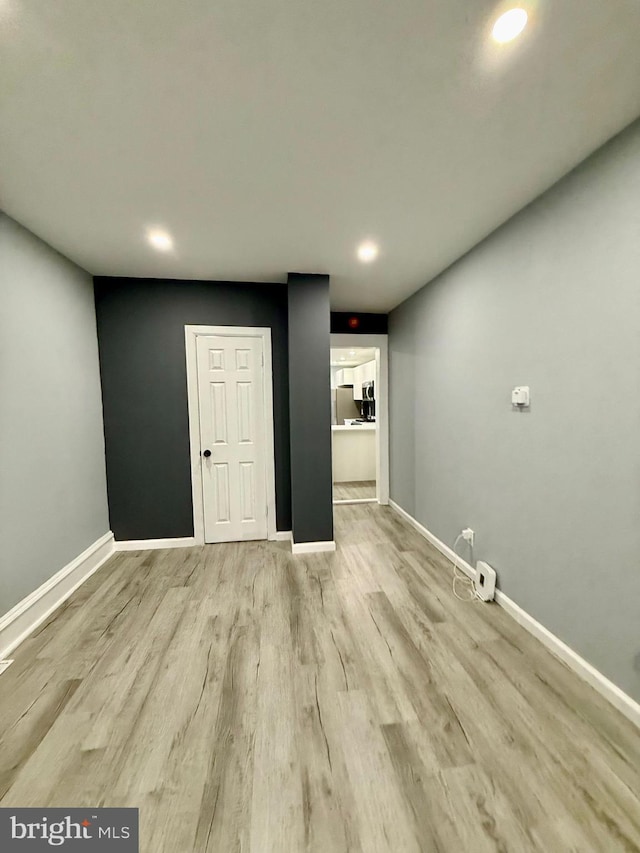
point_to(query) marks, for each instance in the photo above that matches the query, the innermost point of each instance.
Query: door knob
(206, 453)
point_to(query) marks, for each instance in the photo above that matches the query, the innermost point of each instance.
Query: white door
(232, 437)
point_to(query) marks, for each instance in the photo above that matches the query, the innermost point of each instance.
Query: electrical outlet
(468, 535)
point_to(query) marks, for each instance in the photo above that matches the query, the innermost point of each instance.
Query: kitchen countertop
(354, 428)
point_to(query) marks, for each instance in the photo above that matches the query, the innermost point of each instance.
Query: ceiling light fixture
(367, 252)
(510, 25)
(160, 240)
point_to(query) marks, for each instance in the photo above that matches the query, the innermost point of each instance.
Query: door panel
(219, 430)
(243, 359)
(216, 359)
(231, 403)
(222, 497)
(245, 415)
(247, 491)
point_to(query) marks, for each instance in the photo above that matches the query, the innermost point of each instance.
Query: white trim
(444, 549)
(312, 547)
(606, 688)
(621, 700)
(191, 333)
(154, 544)
(28, 614)
(381, 345)
(282, 536)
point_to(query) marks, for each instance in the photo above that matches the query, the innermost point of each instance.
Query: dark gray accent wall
(310, 408)
(142, 356)
(551, 300)
(53, 498)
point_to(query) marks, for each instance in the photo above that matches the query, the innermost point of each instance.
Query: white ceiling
(351, 357)
(271, 136)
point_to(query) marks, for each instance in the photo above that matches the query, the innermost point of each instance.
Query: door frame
(381, 344)
(191, 334)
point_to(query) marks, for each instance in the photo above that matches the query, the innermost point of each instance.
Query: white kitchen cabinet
(344, 377)
(369, 371)
(354, 453)
(357, 382)
(363, 373)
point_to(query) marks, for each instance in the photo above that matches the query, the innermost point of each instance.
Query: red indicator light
(353, 322)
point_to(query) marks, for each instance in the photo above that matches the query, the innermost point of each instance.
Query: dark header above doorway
(358, 324)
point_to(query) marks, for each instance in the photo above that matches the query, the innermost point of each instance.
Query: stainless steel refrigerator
(343, 405)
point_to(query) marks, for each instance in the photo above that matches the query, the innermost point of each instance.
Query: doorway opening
(359, 419)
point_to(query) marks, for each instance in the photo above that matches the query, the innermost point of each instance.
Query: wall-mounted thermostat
(520, 396)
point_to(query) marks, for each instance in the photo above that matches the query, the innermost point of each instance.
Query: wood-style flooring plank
(354, 490)
(249, 700)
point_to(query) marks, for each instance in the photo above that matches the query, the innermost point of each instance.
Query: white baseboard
(606, 688)
(24, 618)
(312, 547)
(155, 544)
(621, 700)
(281, 536)
(444, 549)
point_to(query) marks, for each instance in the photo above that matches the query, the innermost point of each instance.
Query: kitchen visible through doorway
(354, 423)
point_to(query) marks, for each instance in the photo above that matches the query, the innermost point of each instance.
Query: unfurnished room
(320, 426)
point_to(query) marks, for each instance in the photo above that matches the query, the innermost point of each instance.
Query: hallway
(244, 698)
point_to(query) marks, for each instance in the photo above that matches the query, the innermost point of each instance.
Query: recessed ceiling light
(160, 240)
(367, 252)
(510, 25)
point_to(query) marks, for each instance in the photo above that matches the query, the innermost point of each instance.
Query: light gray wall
(53, 499)
(551, 300)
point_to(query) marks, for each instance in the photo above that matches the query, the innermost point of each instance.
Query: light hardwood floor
(245, 699)
(354, 490)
